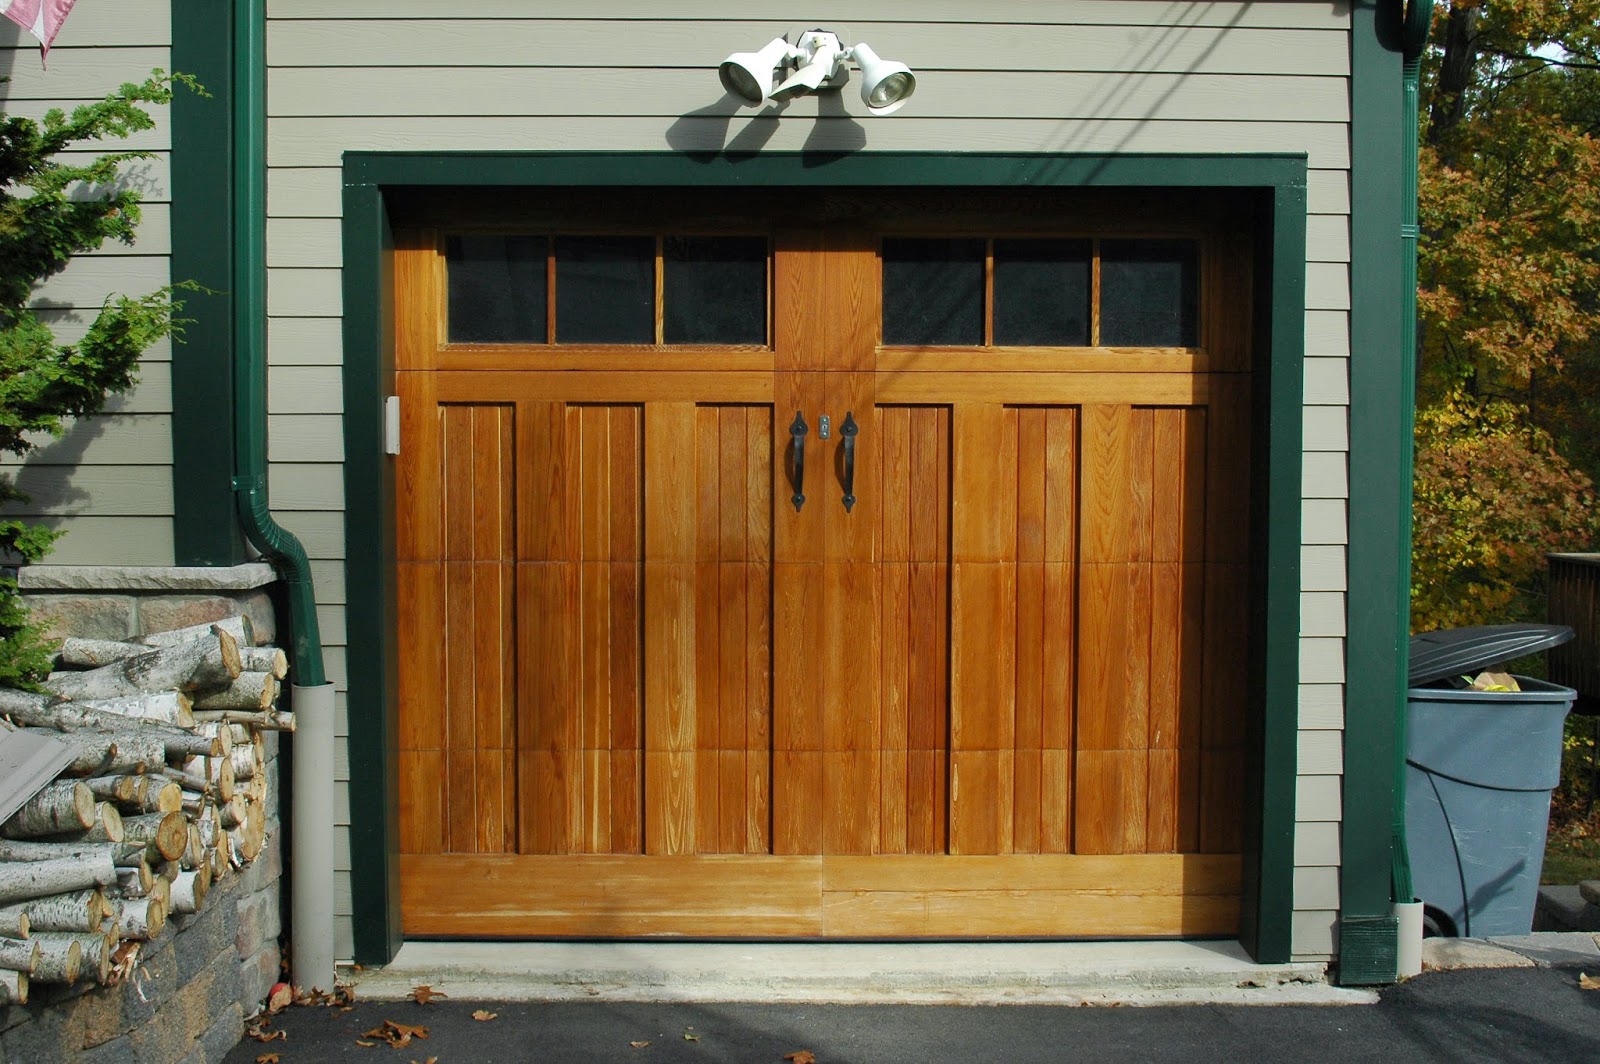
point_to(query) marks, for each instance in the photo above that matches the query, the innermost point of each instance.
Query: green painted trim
(369, 577)
(203, 529)
(369, 503)
(1376, 641)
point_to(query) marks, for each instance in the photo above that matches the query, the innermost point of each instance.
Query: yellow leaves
(483, 1015)
(424, 994)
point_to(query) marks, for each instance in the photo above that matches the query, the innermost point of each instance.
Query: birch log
(189, 890)
(60, 948)
(239, 627)
(13, 988)
(80, 911)
(122, 855)
(25, 880)
(141, 918)
(249, 691)
(66, 805)
(273, 720)
(168, 707)
(92, 754)
(186, 666)
(107, 827)
(93, 653)
(14, 922)
(135, 882)
(115, 788)
(264, 659)
(19, 955)
(168, 832)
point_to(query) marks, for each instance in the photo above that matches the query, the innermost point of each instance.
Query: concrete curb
(1543, 949)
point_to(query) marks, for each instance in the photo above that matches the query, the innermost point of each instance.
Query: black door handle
(848, 431)
(797, 430)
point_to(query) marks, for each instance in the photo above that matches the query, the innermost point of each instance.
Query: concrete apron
(963, 973)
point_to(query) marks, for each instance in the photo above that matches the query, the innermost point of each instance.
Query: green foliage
(1508, 307)
(53, 207)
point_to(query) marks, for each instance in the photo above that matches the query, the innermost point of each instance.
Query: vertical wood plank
(671, 538)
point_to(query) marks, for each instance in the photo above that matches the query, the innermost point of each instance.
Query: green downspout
(276, 543)
(1414, 39)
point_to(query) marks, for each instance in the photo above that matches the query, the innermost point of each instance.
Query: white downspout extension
(311, 838)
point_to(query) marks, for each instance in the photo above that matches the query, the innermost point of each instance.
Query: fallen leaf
(484, 1014)
(638, 1045)
(424, 994)
(801, 1056)
(282, 994)
(1588, 982)
(267, 1058)
(397, 1035)
(690, 1036)
(430, 1060)
(369, 1045)
(258, 1031)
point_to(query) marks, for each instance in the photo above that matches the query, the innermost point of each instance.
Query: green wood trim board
(204, 531)
(1375, 643)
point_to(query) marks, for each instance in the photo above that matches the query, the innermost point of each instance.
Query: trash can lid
(1455, 651)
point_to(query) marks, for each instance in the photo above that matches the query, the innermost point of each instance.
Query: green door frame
(1279, 324)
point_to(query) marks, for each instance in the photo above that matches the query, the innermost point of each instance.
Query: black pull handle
(797, 430)
(848, 430)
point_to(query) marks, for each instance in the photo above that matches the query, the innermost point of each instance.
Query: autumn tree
(1509, 306)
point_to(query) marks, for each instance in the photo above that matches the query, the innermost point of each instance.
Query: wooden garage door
(998, 690)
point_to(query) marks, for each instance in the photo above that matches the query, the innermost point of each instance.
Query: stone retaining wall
(206, 972)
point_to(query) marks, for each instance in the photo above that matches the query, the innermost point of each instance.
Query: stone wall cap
(145, 577)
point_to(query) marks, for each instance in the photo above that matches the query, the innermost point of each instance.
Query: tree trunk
(252, 690)
(186, 666)
(23, 881)
(239, 627)
(1456, 71)
(19, 955)
(66, 805)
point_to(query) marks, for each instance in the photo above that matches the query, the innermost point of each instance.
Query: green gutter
(276, 543)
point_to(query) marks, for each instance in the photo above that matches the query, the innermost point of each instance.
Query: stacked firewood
(165, 794)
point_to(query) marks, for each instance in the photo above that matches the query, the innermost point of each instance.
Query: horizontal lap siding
(107, 483)
(1009, 75)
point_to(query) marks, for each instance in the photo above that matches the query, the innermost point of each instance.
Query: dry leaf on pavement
(484, 1014)
(424, 994)
(801, 1056)
(369, 1045)
(638, 1045)
(1588, 982)
(282, 994)
(397, 1035)
(267, 1058)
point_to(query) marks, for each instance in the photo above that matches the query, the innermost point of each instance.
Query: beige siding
(107, 483)
(1081, 75)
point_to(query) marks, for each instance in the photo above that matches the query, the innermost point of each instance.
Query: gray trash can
(1480, 769)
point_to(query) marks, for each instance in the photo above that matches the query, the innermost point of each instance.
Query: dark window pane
(933, 292)
(715, 290)
(496, 289)
(605, 289)
(1041, 292)
(1149, 293)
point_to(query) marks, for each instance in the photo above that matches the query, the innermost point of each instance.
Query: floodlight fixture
(816, 61)
(752, 76)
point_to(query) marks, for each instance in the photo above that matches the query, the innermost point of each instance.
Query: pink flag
(42, 18)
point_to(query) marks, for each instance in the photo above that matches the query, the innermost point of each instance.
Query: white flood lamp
(885, 84)
(816, 62)
(751, 76)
